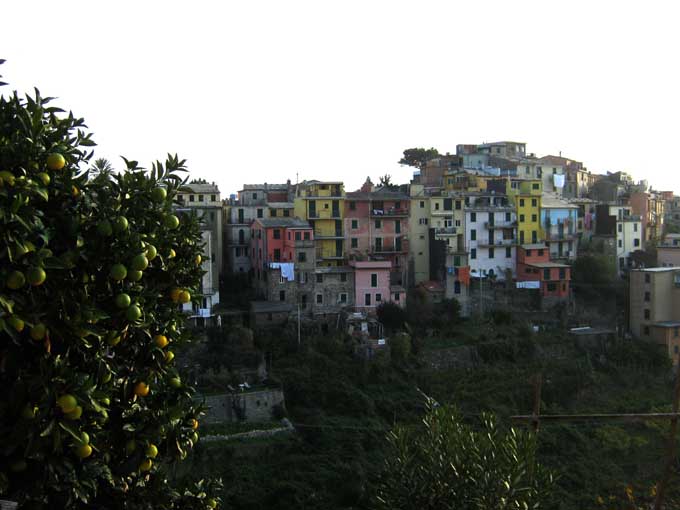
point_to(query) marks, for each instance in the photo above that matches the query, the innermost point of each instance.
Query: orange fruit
(67, 403)
(160, 340)
(174, 294)
(141, 389)
(56, 161)
(83, 451)
(184, 297)
(146, 465)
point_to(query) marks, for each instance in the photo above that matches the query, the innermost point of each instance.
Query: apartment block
(373, 287)
(651, 207)
(668, 251)
(559, 221)
(535, 270)
(655, 307)
(527, 194)
(490, 235)
(322, 204)
(203, 199)
(376, 226)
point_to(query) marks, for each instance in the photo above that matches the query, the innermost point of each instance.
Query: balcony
(376, 213)
(328, 235)
(497, 242)
(500, 224)
(446, 231)
(304, 243)
(336, 255)
(324, 214)
(388, 249)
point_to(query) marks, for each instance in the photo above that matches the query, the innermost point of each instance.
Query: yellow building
(322, 205)
(419, 231)
(465, 180)
(527, 196)
(447, 218)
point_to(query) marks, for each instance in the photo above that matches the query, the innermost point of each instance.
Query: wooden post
(538, 382)
(671, 448)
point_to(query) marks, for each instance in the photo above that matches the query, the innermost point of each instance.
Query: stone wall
(252, 406)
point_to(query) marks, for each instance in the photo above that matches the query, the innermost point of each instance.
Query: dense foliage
(93, 270)
(418, 156)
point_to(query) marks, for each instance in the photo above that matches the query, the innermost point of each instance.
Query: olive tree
(449, 464)
(93, 272)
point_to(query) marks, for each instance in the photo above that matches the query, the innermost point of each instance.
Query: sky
(264, 91)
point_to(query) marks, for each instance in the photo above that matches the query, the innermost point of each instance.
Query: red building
(534, 270)
(376, 228)
(283, 259)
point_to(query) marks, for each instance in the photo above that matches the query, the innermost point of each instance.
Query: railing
(446, 231)
(497, 242)
(387, 249)
(321, 255)
(500, 224)
(304, 243)
(389, 212)
(318, 234)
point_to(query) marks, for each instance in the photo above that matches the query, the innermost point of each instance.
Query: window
(456, 287)
(378, 224)
(436, 206)
(378, 298)
(534, 202)
(546, 274)
(422, 204)
(277, 254)
(352, 206)
(636, 242)
(422, 221)
(647, 314)
(620, 227)
(282, 295)
(508, 252)
(492, 253)
(521, 202)
(473, 217)
(254, 196)
(355, 224)
(319, 299)
(552, 286)
(458, 205)
(307, 236)
(272, 212)
(191, 198)
(534, 218)
(648, 296)
(541, 252)
(535, 186)
(397, 227)
(676, 334)
(563, 273)
(528, 253)
(343, 277)
(302, 256)
(277, 233)
(508, 217)
(354, 242)
(319, 278)
(325, 206)
(298, 236)
(473, 235)
(367, 299)
(645, 330)
(374, 280)
(648, 278)
(286, 213)
(343, 297)
(635, 227)
(473, 253)
(521, 218)
(259, 213)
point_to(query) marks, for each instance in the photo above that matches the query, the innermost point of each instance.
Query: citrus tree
(93, 272)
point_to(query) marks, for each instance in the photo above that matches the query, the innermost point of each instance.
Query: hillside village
(491, 226)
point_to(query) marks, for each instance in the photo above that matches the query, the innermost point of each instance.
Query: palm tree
(101, 166)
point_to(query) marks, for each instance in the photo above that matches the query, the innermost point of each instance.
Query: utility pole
(298, 321)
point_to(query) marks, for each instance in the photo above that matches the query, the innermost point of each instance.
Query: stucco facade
(419, 226)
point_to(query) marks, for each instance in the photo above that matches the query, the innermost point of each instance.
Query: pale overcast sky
(255, 91)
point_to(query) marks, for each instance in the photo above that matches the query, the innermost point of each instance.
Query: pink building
(372, 285)
(376, 228)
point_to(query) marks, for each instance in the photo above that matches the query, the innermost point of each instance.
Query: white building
(628, 234)
(490, 235)
(204, 200)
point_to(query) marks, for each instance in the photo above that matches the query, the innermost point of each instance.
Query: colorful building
(419, 235)
(527, 196)
(536, 271)
(373, 287)
(376, 226)
(559, 220)
(651, 207)
(490, 235)
(322, 204)
(283, 259)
